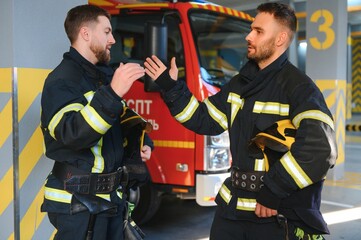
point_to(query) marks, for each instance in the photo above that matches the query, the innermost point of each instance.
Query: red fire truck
(209, 44)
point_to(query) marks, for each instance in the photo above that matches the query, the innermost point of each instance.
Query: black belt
(76, 180)
(250, 181)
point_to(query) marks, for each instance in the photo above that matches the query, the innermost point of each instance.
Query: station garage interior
(341, 196)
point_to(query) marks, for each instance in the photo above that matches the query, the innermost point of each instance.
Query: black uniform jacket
(80, 120)
(252, 101)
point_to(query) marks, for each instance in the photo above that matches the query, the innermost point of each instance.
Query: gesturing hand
(124, 77)
(154, 67)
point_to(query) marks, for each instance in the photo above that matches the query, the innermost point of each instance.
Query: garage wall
(32, 43)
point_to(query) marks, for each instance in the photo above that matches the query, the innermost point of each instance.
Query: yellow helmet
(278, 137)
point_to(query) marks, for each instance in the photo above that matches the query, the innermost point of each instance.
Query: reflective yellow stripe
(295, 171)
(98, 166)
(63, 196)
(89, 96)
(94, 120)
(217, 115)
(72, 107)
(57, 195)
(259, 165)
(246, 204)
(225, 193)
(271, 108)
(104, 196)
(188, 111)
(119, 194)
(313, 114)
(92, 117)
(236, 104)
(59, 115)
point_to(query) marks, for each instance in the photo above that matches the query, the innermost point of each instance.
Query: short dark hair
(283, 13)
(80, 15)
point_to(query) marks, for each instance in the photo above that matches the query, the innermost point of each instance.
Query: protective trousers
(105, 228)
(246, 230)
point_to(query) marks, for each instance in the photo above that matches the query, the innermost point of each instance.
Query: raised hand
(125, 76)
(154, 67)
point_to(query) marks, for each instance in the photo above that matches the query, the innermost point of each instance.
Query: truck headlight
(217, 152)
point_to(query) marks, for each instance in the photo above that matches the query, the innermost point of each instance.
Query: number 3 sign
(325, 27)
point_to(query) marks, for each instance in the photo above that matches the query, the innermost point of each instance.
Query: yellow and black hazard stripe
(33, 166)
(353, 127)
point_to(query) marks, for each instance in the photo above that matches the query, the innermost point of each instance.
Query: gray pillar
(326, 64)
(6, 30)
(292, 50)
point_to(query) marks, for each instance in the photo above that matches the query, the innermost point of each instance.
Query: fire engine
(209, 44)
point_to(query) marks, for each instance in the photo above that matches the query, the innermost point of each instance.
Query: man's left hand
(145, 153)
(154, 67)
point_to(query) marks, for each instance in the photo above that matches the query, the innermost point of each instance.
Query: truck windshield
(221, 45)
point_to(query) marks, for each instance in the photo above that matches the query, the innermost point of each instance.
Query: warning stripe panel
(353, 127)
(174, 144)
(222, 9)
(6, 183)
(6, 109)
(5, 122)
(30, 84)
(6, 179)
(32, 219)
(5, 80)
(29, 87)
(30, 155)
(356, 75)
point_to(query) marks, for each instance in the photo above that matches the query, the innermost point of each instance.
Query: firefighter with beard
(82, 109)
(273, 192)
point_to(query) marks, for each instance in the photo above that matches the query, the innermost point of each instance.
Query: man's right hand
(125, 76)
(154, 67)
(264, 212)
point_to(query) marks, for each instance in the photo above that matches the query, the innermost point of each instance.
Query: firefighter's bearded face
(102, 40)
(262, 38)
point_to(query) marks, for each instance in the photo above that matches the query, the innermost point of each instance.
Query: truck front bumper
(207, 187)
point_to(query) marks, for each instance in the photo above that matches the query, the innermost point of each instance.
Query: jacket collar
(253, 79)
(98, 74)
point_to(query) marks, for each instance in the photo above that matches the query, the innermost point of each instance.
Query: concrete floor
(341, 205)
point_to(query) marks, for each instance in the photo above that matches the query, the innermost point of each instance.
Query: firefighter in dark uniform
(82, 111)
(274, 192)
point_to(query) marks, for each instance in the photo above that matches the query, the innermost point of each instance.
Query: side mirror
(156, 43)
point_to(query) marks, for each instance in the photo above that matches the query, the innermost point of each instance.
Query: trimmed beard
(100, 53)
(265, 52)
